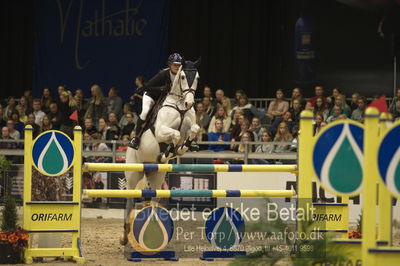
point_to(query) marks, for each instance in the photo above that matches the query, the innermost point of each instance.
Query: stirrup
(134, 143)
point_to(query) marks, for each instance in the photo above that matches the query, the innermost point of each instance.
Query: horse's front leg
(167, 134)
(192, 133)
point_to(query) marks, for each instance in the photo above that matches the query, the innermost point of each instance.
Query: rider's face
(174, 68)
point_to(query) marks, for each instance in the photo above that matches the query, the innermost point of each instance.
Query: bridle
(181, 96)
(184, 93)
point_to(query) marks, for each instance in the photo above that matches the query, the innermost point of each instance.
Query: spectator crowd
(219, 117)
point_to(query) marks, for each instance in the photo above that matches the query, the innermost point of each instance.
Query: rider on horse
(153, 90)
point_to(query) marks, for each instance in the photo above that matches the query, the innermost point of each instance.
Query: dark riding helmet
(175, 58)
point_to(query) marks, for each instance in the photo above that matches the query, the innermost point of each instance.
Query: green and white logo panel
(389, 160)
(337, 157)
(53, 153)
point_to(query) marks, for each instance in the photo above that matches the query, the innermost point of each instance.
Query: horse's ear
(183, 62)
(197, 63)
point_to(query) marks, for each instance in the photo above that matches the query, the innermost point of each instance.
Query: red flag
(74, 116)
(381, 104)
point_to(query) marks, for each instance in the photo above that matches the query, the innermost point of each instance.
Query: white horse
(175, 127)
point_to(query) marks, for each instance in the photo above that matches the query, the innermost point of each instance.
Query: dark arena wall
(247, 45)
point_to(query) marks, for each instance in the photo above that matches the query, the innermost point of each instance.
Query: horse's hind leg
(132, 179)
(155, 179)
(192, 133)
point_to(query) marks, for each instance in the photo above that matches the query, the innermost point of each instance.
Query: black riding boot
(135, 142)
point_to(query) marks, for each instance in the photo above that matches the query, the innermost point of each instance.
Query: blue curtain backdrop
(105, 42)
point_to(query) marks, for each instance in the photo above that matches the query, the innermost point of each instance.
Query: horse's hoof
(182, 151)
(123, 240)
(159, 158)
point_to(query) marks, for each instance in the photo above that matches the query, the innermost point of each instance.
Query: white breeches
(148, 102)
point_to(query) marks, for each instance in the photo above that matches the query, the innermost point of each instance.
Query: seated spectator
(5, 135)
(81, 103)
(283, 135)
(248, 109)
(137, 97)
(113, 123)
(236, 119)
(309, 107)
(295, 110)
(13, 133)
(11, 104)
(295, 134)
(395, 100)
(18, 125)
(3, 122)
(89, 127)
(295, 131)
(67, 106)
(218, 135)
(297, 95)
(114, 102)
(208, 107)
(46, 124)
(202, 120)
(87, 146)
(337, 111)
(287, 118)
(319, 92)
(246, 137)
(23, 101)
(55, 116)
(358, 114)
(240, 128)
(321, 108)
(207, 92)
(267, 146)
(31, 122)
(219, 95)
(126, 109)
(37, 111)
(226, 103)
(46, 100)
(97, 106)
(130, 125)
(396, 112)
(330, 101)
(100, 146)
(318, 119)
(222, 115)
(22, 114)
(106, 132)
(256, 128)
(354, 101)
(277, 107)
(238, 93)
(244, 127)
(341, 101)
(29, 99)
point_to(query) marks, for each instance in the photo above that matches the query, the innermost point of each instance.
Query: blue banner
(107, 42)
(304, 52)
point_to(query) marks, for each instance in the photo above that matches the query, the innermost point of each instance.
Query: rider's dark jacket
(159, 83)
